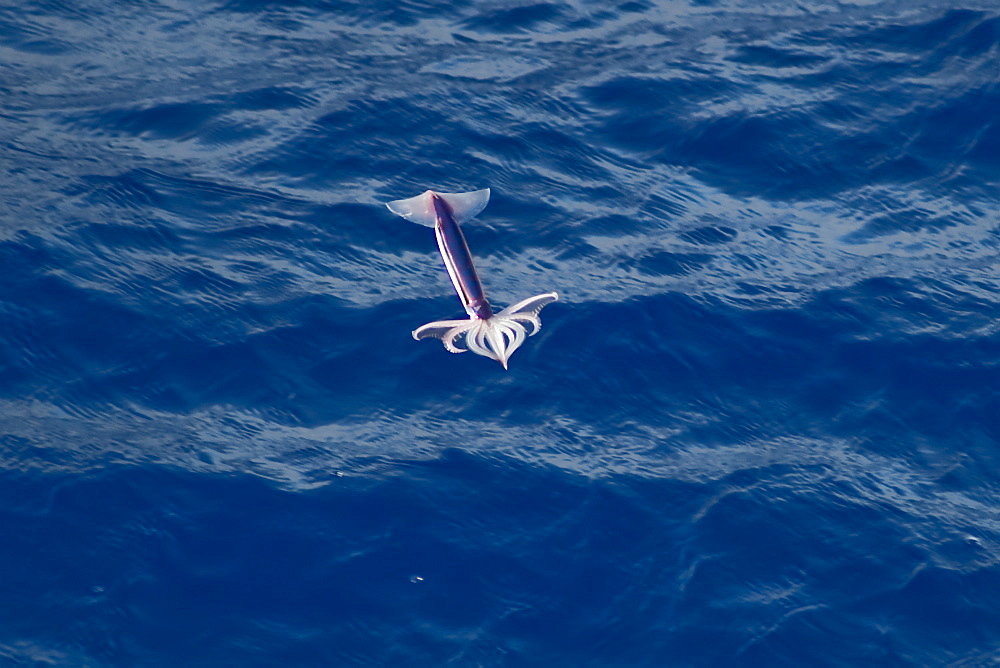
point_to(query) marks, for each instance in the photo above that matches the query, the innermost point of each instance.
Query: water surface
(759, 428)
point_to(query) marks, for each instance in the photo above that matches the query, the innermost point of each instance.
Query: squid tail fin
(420, 209)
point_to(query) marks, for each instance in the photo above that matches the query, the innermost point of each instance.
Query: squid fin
(420, 209)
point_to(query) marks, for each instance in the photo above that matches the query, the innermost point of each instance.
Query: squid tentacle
(496, 337)
(533, 320)
(531, 305)
(437, 329)
(450, 337)
(477, 343)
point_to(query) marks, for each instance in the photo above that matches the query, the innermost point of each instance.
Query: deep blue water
(761, 427)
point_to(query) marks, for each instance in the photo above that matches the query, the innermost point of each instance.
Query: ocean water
(761, 427)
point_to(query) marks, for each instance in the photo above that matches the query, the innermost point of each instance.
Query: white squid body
(496, 337)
